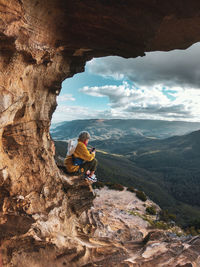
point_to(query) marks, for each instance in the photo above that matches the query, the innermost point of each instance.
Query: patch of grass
(131, 189)
(151, 210)
(135, 213)
(192, 231)
(141, 195)
(161, 225)
(114, 186)
(155, 224)
(166, 216)
(98, 185)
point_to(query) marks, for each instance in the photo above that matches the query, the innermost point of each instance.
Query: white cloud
(125, 95)
(65, 97)
(127, 101)
(68, 113)
(164, 87)
(190, 99)
(164, 84)
(178, 67)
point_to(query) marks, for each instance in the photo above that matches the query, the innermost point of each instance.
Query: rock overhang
(89, 29)
(42, 42)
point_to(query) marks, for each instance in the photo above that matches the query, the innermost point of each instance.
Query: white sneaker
(92, 178)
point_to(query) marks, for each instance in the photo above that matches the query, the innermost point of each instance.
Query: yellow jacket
(82, 152)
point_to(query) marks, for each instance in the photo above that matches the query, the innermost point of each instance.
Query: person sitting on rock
(82, 160)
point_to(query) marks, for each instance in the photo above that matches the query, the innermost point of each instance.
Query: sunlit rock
(41, 44)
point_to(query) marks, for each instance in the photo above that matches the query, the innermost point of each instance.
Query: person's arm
(83, 153)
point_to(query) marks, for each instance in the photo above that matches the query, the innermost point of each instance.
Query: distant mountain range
(168, 170)
(116, 128)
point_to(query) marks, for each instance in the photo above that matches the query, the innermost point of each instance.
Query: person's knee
(94, 161)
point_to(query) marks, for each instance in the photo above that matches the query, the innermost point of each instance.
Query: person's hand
(92, 150)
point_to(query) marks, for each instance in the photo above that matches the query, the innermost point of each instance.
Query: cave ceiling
(97, 28)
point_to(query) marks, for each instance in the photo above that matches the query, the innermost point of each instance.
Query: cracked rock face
(121, 225)
(41, 44)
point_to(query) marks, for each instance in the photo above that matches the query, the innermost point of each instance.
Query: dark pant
(89, 165)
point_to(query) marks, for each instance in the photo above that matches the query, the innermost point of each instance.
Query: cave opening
(158, 86)
(122, 101)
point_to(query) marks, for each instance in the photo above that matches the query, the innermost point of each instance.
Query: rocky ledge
(115, 231)
(127, 236)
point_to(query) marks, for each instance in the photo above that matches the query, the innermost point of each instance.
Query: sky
(160, 85)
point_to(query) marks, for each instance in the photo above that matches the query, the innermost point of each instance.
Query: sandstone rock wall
(42, 42)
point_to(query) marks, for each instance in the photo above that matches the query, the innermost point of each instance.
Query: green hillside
(167, 193)
(178, 160)
(180, 199)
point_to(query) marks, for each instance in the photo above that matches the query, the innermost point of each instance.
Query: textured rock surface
(138, 242)
(106, 235)
(42, 43)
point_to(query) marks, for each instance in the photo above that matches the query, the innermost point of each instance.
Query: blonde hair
(84, 136)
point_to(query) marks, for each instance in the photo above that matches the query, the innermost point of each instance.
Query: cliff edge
(103, 227)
